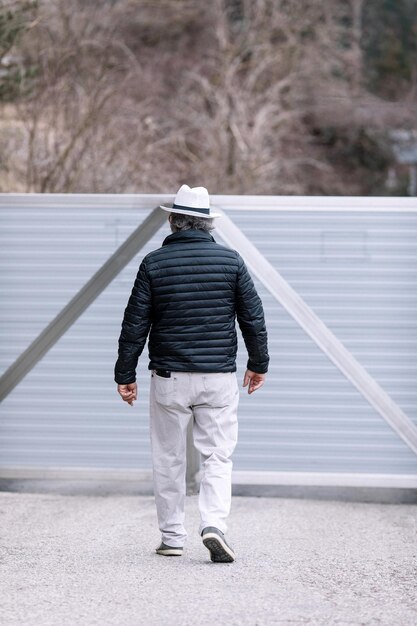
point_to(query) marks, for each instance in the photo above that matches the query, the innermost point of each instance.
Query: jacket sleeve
(135, 327)
(250, 316)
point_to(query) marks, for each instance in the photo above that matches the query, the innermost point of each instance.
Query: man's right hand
(128, 393)
(254, 380)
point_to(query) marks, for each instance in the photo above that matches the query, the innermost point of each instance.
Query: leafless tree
(141, 96)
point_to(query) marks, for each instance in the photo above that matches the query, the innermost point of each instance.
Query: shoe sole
(219, 551)
(170, 552)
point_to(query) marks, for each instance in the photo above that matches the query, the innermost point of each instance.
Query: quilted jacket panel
(187, 296)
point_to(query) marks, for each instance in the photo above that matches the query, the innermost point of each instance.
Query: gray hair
(179, 221)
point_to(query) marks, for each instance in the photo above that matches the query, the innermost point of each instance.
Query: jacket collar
(186, 236)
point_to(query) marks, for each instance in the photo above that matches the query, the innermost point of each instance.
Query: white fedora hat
(191, 201)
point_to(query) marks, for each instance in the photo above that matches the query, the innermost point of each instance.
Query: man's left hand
(128, 393)
(254, 380)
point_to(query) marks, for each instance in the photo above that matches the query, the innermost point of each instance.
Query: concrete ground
(85, 559)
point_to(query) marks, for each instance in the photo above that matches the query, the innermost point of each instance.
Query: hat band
(191, 208)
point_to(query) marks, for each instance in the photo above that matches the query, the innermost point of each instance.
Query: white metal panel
(66, 412)
(357, 269)
(339, 265)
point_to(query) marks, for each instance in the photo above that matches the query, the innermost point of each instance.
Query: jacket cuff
(258, 368)
(124, 379)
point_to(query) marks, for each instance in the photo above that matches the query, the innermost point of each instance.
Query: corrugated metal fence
(352, 260)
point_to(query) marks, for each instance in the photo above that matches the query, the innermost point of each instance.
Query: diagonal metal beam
(87, 294)
(318, 331)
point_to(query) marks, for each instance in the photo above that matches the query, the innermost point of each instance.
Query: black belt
(163, 373)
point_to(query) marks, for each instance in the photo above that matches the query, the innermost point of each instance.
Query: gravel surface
(69, 560)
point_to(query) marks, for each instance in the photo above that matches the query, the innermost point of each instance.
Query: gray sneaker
(168, 550)
(215, 542)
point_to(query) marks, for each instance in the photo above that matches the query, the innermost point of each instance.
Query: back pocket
(220, 388)
(163, 386)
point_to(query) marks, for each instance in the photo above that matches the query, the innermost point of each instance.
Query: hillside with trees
(241, 96)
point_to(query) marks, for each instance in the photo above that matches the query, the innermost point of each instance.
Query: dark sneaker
(220, 551)
(168, 550)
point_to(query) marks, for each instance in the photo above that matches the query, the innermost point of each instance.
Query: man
(188, 294)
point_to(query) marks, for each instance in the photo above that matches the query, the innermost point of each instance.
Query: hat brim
(169, 207)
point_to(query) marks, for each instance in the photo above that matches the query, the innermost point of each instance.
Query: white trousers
(211, 400)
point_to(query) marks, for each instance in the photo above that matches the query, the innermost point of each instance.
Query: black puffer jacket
(188, 293)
